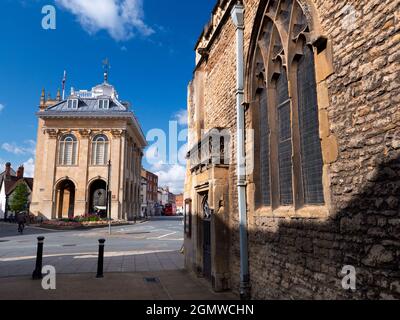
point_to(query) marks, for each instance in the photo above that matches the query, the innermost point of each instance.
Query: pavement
(142, 286)
(150, 246)
(142, 262)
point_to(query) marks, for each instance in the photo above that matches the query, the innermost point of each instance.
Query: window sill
(307, 212)
(68, 166)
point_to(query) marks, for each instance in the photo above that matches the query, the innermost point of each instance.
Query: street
(149, 246)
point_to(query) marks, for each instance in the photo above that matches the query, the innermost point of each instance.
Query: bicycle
(21, 227)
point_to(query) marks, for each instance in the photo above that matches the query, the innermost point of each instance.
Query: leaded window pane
(311, 153)
(285, 140)
(264, 151)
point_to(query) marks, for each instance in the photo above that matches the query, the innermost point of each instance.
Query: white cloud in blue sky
(27, 149)
(1, 107)
(122, 19)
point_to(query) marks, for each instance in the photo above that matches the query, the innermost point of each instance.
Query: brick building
(152, 192)
(322, 183)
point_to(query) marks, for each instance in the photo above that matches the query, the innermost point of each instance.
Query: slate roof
(89, 105)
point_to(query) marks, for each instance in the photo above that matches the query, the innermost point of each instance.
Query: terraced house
(294, 172)
(78, 137)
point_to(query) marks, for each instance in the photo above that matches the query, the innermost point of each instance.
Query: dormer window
(104, 104)
(72, 103)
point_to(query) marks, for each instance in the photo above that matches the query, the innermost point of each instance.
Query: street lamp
(108, 205)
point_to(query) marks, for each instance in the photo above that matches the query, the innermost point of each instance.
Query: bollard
(100, 263)
(37, 274)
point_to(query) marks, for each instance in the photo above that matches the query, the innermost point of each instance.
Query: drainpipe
(237, 16)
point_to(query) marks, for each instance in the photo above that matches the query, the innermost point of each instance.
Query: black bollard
(37, 274)
(100, 263)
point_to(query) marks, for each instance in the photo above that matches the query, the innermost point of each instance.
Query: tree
(19, 200)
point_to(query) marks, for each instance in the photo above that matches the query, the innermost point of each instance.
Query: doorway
(66, 200)
(207, 266)
(98, 198)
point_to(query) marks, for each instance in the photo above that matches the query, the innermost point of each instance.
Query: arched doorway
(66, 200)
(98, 197)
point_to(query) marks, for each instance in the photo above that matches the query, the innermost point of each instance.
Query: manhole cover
(151, 280)
(4, 241)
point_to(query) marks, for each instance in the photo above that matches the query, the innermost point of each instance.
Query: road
(149, 246)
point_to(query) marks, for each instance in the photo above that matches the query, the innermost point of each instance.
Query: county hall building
(77, 139)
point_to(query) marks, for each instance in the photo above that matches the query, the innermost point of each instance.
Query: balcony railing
(213, 149)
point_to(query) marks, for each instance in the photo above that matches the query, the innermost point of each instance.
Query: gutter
(237, 15)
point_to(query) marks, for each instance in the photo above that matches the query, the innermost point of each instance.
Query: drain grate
(152, 280)
(69, 245)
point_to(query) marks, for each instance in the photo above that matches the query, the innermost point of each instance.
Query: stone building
(321, 111)
(77, 139)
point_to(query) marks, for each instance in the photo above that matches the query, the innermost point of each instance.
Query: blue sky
(150, 46)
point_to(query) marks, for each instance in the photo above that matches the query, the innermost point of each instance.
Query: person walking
(21, 220)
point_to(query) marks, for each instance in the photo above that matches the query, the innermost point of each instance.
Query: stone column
(81, 201)
(48, 196)
(117, 161)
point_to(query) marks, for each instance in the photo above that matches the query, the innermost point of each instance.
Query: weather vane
(106, 67)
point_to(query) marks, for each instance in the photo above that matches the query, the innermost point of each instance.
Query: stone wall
(293, 257)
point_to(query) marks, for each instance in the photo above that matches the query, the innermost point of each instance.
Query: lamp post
(108, 206)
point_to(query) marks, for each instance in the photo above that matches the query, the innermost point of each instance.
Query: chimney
(8, 169)
(20, 172)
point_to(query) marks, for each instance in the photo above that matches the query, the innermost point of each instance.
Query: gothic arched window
(265, 188)
(100, 150)
(67, 151)
(284, 87)
(311, 154)
(284, 139)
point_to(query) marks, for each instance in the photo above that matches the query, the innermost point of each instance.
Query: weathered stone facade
(299, 251)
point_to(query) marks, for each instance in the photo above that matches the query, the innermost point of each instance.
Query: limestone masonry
(323, 183)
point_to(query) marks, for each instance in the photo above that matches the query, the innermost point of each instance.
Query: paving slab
(169, 285)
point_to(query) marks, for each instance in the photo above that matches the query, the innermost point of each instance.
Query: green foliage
(20, 198)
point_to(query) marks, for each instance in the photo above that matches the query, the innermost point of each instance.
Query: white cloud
(172, 176)
(120, 18)
(29, 168)
(2, 106)
(182, 117)
(13, 148)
